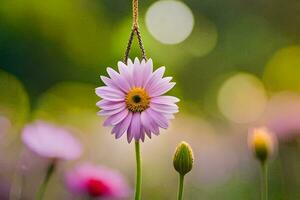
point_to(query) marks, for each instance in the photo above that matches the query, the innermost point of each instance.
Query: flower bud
(261, 143)
(183, 158)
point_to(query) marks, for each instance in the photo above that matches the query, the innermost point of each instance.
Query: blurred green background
(239, 67)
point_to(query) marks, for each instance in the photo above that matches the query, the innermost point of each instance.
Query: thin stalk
(264, 181)
(138, 182)
(180, 187)
(42, 189)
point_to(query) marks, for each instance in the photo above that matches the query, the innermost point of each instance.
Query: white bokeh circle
(242, 98)
(169, 21)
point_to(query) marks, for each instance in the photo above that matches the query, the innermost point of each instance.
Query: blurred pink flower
(51, 141)
(96, 181)
(133, 101)
(283, 115)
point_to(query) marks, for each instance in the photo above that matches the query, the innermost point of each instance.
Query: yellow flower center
(137, 100)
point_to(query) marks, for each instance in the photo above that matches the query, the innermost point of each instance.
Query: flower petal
(169, 109)
(123, 69)
(148, 132)
(136, 61)
(107, 81)
(129, 136)
(115, 119)
(166, 100)
(148, 69)
(148, 123)
(126, 72)
(163, 89)
(110, 105)
(135, 126)
(157, 85)
(123, 126)
(110, 112)
(119, 80)
(169, 116)
(137, 73)
(129, 64)
(142, 134)
(109, 93)
(156, 76)
(158, 118)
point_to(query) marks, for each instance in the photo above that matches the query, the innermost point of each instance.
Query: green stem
(264, 181)
(138, 182)
(180, 187)
(43, 186)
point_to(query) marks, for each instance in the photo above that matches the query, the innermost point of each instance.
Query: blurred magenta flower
(96, 182)
(51, 141)
(133, 101)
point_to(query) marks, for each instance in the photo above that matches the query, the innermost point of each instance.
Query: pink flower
(283, 115)
(132, 100)
(96, 181)
(51, 141)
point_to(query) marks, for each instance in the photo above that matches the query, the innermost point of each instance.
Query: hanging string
(135, 30)
(135, 13)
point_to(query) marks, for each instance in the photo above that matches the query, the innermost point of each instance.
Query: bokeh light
(170, 22)
(242, 98)
(283, 69)
(203, 38)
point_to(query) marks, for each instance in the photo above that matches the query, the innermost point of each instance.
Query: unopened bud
(261, 143)
(183, 158)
